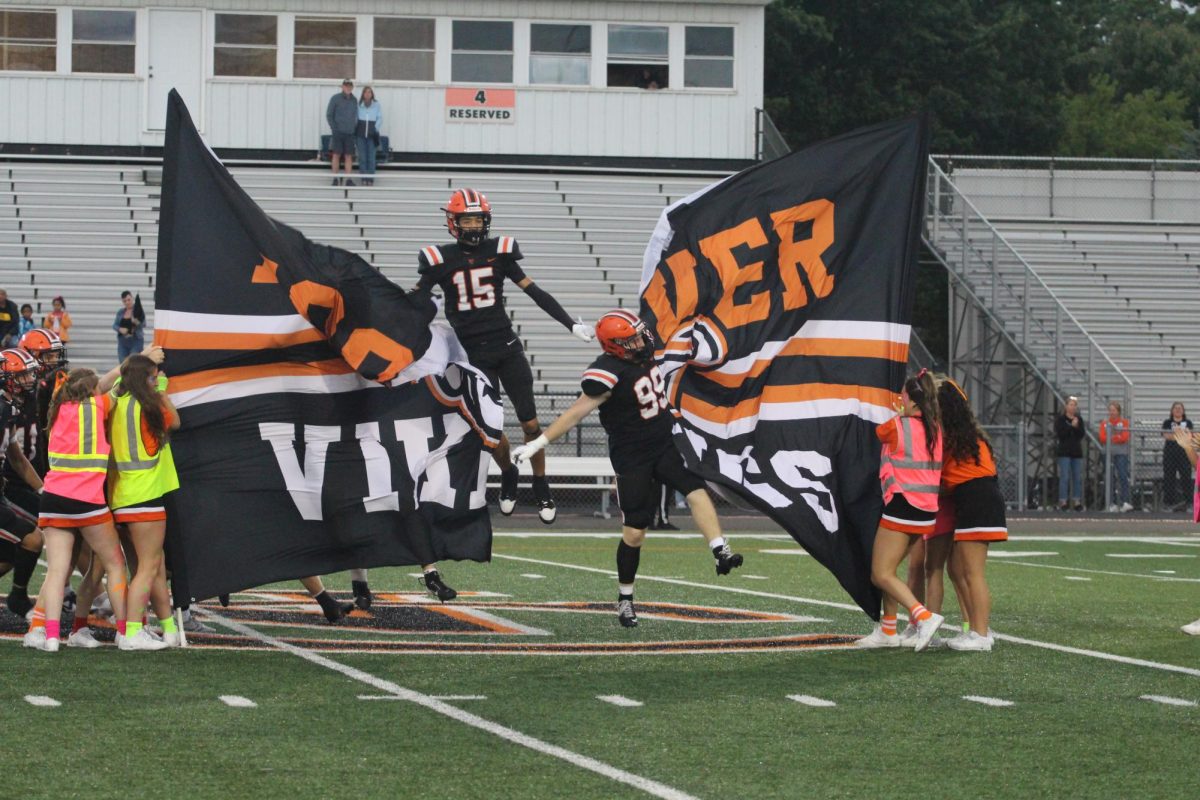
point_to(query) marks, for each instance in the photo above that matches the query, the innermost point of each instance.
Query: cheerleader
(144, 473)
(969, 475)
(73, 502)
(910, 470)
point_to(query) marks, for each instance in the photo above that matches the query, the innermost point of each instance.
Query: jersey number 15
(477, 291)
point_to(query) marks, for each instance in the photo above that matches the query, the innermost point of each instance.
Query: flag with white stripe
(327, 422)
(781, 298)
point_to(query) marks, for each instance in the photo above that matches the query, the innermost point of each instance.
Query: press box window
(27, 41)
(103, 41)
(245, 45)
(637, 56)
(324, 47)
(404, 49)
(708, 58)
(560, 54)
(481, 52)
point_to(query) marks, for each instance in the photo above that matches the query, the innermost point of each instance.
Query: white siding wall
(289, 114)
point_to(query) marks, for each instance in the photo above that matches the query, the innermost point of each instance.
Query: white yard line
(646, 785)
(1168, 701)
(995, 702)
(848, 607)
(41, 700)
(1077, 578)
(532, 576)
(1098, 571)
(1149, 555)
(619, 700)
(444, 697)
(236, 701)
(808, 700)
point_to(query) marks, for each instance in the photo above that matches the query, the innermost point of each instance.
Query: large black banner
(326, 423)
(782, 297)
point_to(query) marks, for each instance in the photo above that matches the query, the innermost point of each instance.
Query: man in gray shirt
(342, 116)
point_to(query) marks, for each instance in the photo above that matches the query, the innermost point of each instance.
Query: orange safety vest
(907, 466)
(78, 451)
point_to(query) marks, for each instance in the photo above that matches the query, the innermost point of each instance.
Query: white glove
(582, 332)
(522, 453)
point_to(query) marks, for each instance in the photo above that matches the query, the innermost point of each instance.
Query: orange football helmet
(463, 203)
(18, 370)
(623, 335)
(46, 346)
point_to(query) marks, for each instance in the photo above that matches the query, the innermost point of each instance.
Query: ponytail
(923, 393)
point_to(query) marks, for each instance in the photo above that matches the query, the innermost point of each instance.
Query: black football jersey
(635, 416)
(472, 282)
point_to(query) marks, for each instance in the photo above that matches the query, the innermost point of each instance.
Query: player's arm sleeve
(547, 303)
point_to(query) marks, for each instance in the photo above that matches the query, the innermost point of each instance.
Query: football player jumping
(471, 272)
(629, 391)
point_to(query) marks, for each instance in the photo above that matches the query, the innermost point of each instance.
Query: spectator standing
(342, 116)
(1177, 471)
(366, 135)
(26, 323)
(58, 320)
(1069, 428)
(1114, 435)
(9, 321)
(130, 334)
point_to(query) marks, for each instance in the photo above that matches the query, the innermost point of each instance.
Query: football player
(471, 272)
(629, 391)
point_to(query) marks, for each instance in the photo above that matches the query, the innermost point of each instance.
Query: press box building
(551, 79)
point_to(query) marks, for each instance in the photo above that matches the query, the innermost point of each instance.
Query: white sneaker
(50, 645)
(34, 639)
(937, 643)
(908, 636)
(1191, 629)
(971, 642)
(172, 639)
(141, 641)
(877, 639)
(926, 629)
(1114, 508)
(83, 638)
(1126, 508)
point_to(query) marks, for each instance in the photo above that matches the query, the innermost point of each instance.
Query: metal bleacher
(1135, 287)
(88, 232)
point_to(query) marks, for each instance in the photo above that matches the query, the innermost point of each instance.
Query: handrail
(1058, 160)
(1030, 272)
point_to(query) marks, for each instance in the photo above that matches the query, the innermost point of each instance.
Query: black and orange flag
(782, 299)
(327, 422)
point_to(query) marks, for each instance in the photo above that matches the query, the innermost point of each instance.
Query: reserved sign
(480, 105)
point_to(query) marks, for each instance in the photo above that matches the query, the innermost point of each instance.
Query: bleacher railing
(1032, 316)
(769, 143)
(1107, 189)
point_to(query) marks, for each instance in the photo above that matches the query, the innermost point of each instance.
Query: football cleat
(223, 599)
(726, 559)
(362, 594)
(18, 602)
(508, 490)
(434, 583)
(334, 611)
(546, 509)
(626, 614)
(877, 640)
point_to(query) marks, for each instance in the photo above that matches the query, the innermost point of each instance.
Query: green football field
(742, 686)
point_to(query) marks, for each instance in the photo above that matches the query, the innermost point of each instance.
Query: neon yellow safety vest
(139, 476)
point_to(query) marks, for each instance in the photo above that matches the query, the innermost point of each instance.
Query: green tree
(1149, 124)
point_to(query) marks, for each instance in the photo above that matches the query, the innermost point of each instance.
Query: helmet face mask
(46, 347)
(468, 217)
(623, 335)
(18, 373)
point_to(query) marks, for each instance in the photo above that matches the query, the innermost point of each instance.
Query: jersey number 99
(651, 393)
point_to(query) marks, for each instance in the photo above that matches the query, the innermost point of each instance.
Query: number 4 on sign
(481, 97)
